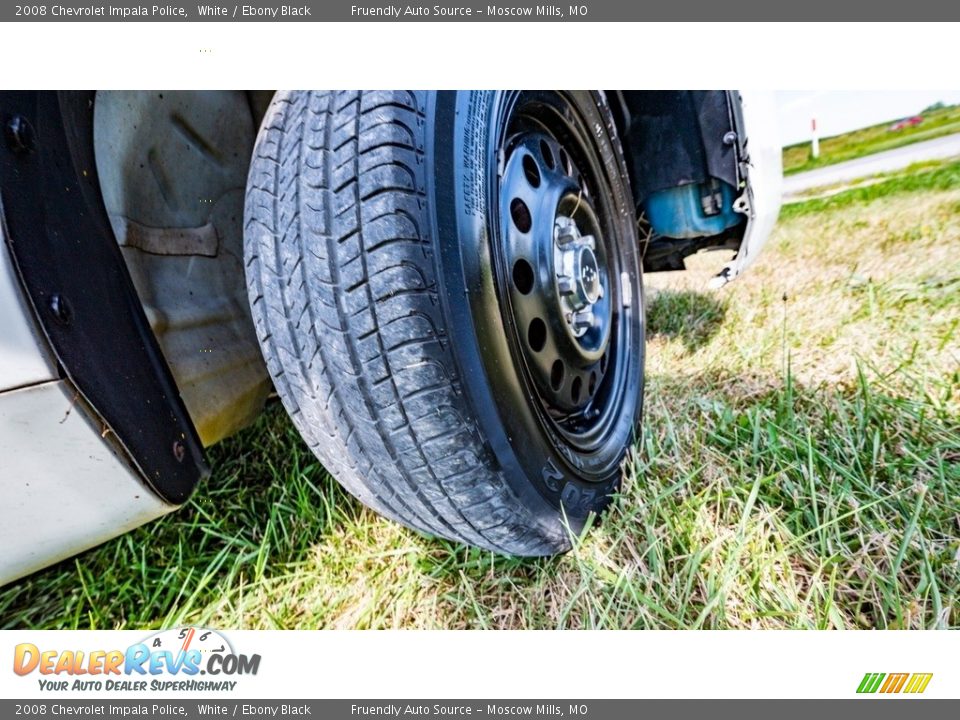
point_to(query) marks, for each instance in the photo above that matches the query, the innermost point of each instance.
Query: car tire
(413, 317)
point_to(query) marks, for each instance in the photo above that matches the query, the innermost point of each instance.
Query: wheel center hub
(578, 274)
(557, 272)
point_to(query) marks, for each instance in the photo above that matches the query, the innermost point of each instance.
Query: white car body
(766, 176)
(64, 486)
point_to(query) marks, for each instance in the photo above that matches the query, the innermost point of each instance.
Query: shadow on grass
(686, 315)
(769, 504)
(821, 506)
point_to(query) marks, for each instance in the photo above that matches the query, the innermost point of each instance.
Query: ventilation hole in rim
(547, 153)
(537, 334)
(575, 389)
(565, 162)
(593, 383)
(603, 363)
(556, 374)
(520, 214)
(531, 171)
(523, 276)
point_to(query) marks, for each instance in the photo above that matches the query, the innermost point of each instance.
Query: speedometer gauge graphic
(180, 640)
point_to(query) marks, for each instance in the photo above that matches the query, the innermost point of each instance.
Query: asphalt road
(889, 161)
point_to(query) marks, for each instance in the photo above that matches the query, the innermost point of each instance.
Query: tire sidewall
(546, 473)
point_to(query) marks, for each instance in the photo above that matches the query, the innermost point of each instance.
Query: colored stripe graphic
(894, 683)
(870, 682)
(918, 682)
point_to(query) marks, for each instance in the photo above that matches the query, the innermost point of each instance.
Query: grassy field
(799, 467)
(869, 140)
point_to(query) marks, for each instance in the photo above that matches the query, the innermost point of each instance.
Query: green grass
(869, 140)
(928, 176)
(799, 467)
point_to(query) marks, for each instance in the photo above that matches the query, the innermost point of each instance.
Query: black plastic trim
(73, 272)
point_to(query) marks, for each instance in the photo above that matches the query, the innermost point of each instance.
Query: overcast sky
(838, 111)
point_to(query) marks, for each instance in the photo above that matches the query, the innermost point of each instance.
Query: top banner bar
(482, 11)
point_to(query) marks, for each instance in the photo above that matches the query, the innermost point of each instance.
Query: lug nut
(583, 320)
(566, 231)
(577, 273)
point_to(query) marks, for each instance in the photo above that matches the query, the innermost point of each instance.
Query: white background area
(211, 55)
(540, 664)
(798, 58)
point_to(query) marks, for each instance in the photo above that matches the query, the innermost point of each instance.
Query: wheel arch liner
(73, 273)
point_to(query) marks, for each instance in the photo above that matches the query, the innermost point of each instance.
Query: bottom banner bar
(876, 709)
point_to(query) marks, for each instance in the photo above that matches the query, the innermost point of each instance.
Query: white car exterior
(64, 487)
(766, 176)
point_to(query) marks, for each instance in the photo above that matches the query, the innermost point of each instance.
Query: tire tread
(341, 273)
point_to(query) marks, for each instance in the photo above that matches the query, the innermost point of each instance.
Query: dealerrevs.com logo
(170, 660)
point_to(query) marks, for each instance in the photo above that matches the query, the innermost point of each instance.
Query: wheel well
(173, 171)
(681, 149)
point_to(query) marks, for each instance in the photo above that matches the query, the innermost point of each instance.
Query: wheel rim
(559, 269)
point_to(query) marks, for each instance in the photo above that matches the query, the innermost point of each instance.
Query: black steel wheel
(447, 291)
(561, 260)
